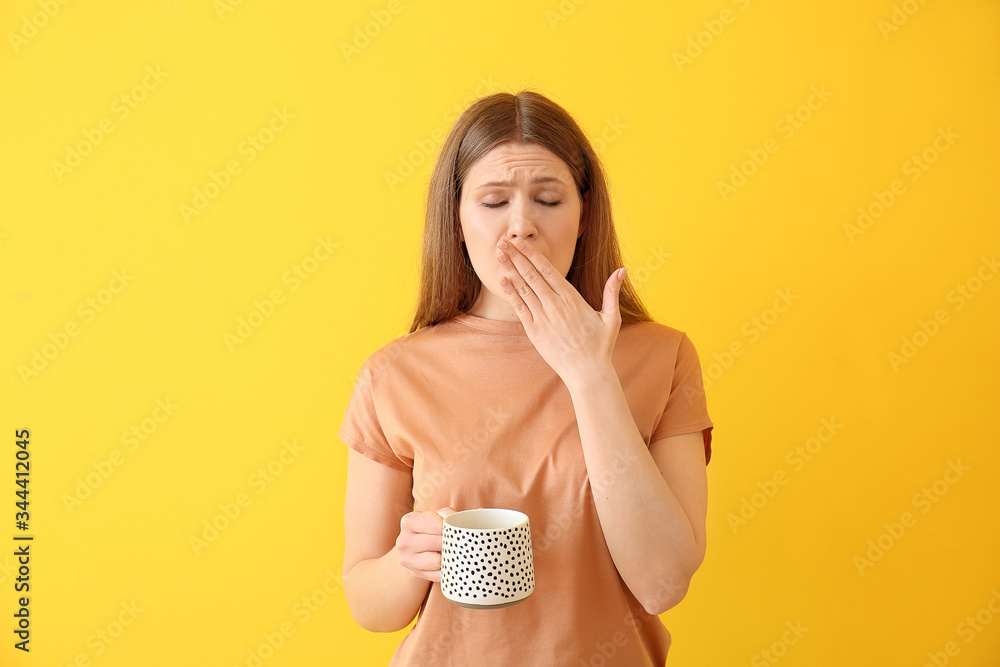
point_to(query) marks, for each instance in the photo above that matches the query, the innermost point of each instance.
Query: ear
(584, 210)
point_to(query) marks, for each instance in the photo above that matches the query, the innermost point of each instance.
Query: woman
(533, 379)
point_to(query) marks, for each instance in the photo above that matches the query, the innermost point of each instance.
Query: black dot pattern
(487, 566)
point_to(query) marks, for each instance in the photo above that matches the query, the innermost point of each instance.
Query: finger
(515, 300)
(422, 522)
(427, 564)
(416, 543)
(610, 307)
(520, 288)
(542, 263)
(445, 511)
(537, 270)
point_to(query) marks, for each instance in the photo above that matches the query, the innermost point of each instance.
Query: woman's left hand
(573, 338)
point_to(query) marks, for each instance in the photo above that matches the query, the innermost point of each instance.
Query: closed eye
(540, 201)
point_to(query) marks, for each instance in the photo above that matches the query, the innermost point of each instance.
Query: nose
(520, 223)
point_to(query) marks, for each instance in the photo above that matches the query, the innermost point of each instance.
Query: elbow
(371, 618)
(667, 594)
(668, 588)
(377, 622)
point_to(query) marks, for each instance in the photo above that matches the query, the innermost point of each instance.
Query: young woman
(532, 379)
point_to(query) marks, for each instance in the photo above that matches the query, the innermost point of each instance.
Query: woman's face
(517, 191)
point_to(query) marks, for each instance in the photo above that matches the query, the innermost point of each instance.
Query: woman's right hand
(419, 542)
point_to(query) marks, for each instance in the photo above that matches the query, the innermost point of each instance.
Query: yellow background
(332, 124)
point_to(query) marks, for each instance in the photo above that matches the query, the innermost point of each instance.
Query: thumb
(445, 511)
(612, 288)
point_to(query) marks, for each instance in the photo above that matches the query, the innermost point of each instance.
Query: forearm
(647, 531)
(383, 595)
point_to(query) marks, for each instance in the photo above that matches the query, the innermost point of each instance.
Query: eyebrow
(506, 184)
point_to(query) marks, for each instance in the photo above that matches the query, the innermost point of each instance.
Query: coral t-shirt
(479, 418)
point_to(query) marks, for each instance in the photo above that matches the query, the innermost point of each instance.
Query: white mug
(486, 559)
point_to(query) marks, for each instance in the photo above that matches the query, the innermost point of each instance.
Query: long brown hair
(448, 282)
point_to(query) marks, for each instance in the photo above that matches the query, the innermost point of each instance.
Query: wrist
(586, 379)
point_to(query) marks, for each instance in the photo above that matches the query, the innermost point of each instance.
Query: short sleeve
(686, 410)
(361, 429)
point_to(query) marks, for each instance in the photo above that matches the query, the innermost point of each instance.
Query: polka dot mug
(486, 558)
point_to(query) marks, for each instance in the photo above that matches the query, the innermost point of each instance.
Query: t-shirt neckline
(494, 326)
